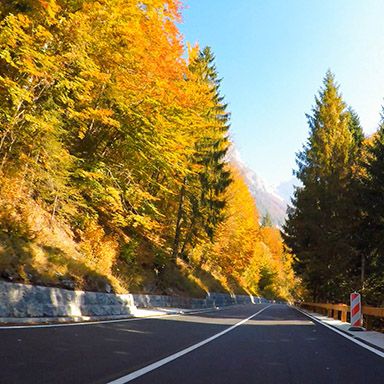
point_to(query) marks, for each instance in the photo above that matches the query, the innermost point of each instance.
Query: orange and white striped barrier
(356, 319)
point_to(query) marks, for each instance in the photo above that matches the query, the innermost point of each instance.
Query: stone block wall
(148, 301)
(21, 300)
(28, 301)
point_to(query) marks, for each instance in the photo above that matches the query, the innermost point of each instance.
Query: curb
(13, 322)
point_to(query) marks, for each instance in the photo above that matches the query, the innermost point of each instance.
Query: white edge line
(351, 338)
(32, 326)
(83, 323)
(140, 372)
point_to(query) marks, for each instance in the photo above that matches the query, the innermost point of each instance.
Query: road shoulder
(373, 341)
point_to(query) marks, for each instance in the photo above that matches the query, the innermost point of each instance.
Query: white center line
(166, 360)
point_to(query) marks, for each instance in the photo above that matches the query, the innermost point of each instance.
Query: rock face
(267, 199)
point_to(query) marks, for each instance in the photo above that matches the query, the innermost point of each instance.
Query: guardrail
(342, 311)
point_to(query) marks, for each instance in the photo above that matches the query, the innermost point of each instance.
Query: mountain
(268, 200)
(286, 188)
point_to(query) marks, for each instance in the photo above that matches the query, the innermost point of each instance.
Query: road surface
(277, 345)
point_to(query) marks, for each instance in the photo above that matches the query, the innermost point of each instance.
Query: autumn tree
(32, 130)
(117, 142)
(236, 237)
(246, 256)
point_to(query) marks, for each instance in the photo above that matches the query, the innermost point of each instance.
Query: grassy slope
(36, 248)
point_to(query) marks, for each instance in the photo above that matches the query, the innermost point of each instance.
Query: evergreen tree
(201, 198)
(316, 225)
(211, 151)
(356, 129)
(371, 228)
(352, 227)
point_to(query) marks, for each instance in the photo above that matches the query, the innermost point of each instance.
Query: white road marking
(31, 326)
(166, 360)
(351, 338)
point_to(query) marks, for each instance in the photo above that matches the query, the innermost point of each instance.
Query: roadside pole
(356, 318)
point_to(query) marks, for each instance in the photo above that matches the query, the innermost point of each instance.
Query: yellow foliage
(100, 250)
(245, 253)
(103, 123)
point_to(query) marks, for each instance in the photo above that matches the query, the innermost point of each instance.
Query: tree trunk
(362, 271)
(176, 241)
(188, 237)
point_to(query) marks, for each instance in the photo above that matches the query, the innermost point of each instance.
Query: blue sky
(273, 55)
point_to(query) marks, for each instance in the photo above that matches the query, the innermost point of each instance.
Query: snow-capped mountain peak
(268, 200)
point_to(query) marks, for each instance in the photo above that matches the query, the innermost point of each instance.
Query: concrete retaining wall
(27, 301)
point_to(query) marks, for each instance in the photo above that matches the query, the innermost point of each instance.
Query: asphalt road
(278, 345)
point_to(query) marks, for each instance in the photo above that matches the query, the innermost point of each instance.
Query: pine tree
(201, 198)
(356, 129)
(315, 229)
(371, 229)
(211, 151)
